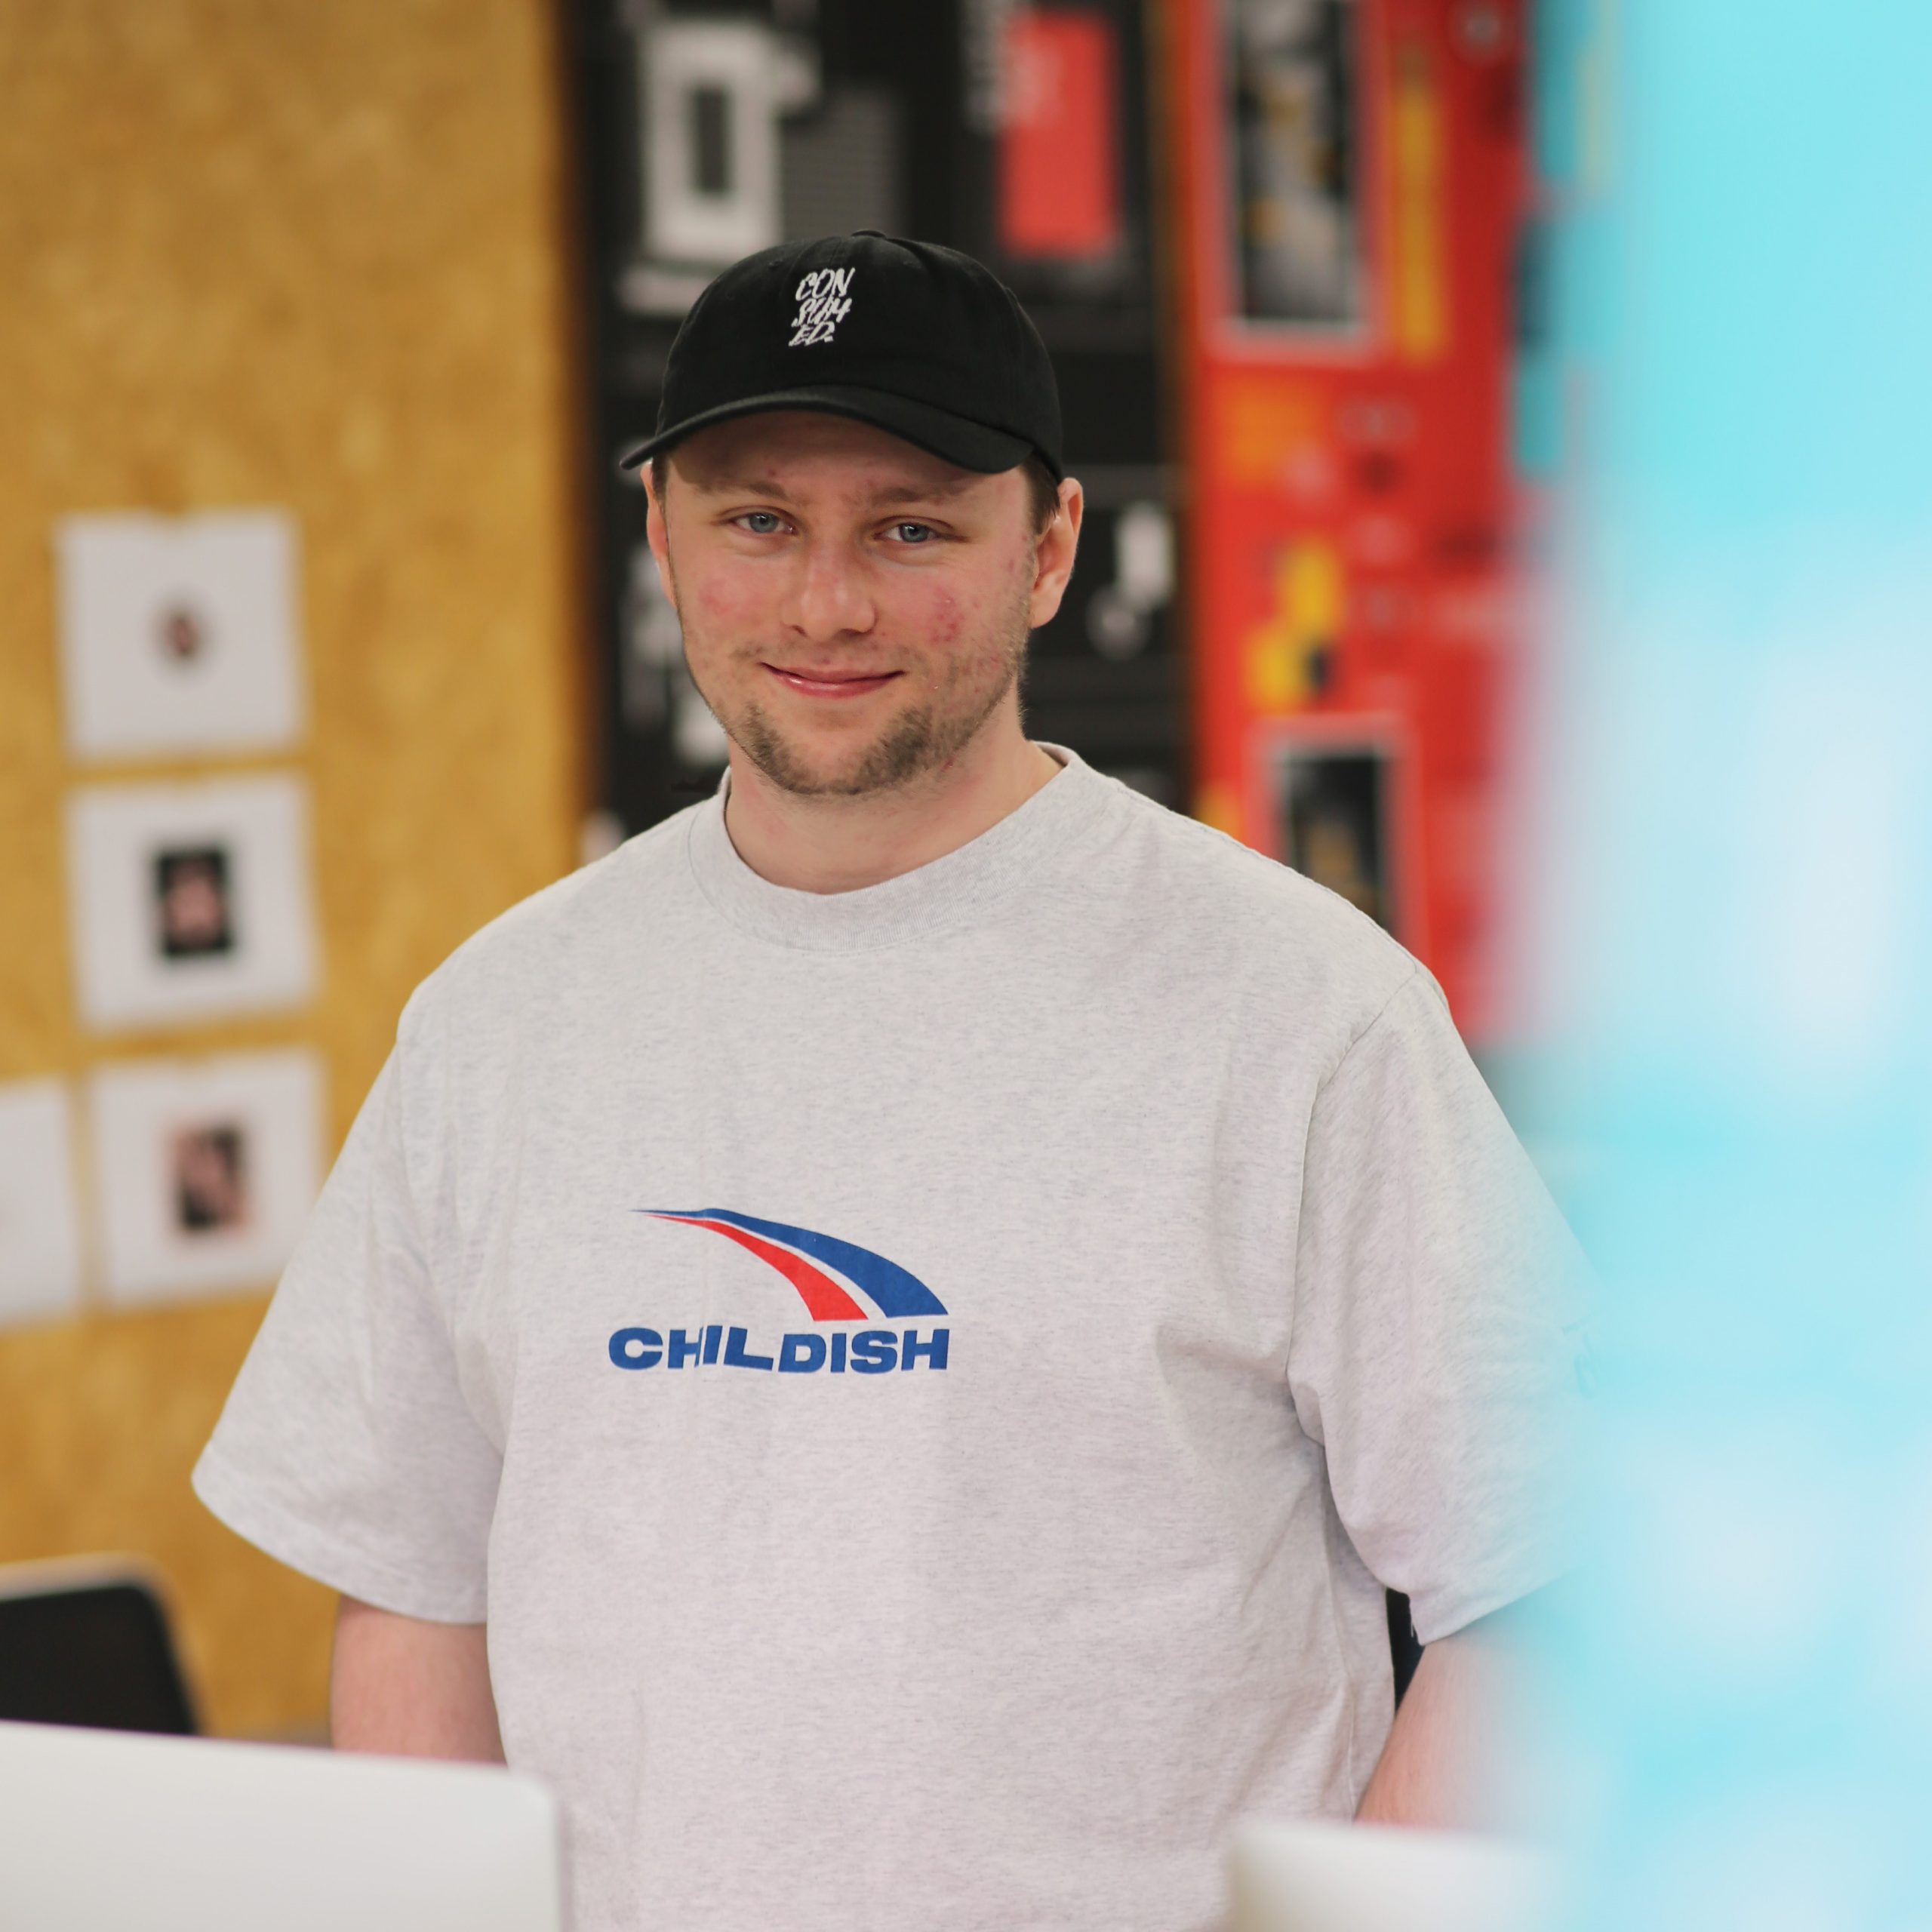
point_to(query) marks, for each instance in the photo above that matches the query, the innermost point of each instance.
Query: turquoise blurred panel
(1742, 299)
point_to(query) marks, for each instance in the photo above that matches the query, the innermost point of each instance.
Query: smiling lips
(831, 684)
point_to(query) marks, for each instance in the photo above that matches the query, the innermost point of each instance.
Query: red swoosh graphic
(827, 1300)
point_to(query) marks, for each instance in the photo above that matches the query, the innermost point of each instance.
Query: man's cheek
(723, 607)
(960, 643)
(945, 621)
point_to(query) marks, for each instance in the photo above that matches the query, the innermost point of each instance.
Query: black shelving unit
(706, 130)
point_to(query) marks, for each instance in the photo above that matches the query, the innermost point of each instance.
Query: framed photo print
(191, 900)
(178, 634)
(206, 1170)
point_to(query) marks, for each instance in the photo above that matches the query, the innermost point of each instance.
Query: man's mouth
(832, 683)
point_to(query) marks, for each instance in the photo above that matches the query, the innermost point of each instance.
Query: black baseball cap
(916, 339)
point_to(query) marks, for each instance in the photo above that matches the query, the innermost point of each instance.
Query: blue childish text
(867, 1352)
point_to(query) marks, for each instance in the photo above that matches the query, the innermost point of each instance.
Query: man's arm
(406, 1688)
(1444, 1762)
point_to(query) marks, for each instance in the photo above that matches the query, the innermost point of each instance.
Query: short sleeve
(1439, 1309)
(346, 1449)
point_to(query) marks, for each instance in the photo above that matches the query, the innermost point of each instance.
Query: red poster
(1059, 136)
(1352, 180)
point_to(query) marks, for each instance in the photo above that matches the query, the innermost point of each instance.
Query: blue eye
(761, 523)
(913, 532)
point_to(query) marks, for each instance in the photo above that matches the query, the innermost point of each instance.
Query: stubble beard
(920, 741)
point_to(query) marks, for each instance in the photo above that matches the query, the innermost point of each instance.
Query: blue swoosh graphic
(896, 1291)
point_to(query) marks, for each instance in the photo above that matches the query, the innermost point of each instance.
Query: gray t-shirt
(926, 1385)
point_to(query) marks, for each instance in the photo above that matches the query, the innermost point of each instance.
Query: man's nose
(828, 597)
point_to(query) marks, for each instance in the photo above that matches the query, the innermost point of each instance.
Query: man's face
(855, 611)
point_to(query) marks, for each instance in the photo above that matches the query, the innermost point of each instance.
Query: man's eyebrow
(923, 493)
(739, 483)
(746, 483)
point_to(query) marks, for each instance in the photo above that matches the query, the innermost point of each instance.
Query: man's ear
(654, 532)
(1054, 554)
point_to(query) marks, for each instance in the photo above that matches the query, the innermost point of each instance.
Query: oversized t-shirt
(926, 1385)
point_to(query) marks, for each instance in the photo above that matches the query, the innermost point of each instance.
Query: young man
(918, 1305)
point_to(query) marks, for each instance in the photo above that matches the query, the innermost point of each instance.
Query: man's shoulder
(574, 927)
(1250, 915)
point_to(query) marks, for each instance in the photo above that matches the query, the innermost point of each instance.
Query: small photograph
(181, 632)
(1335, 805)
(178, 634)
(191, 908)
(211, 1170)
(205, 1171)
(191, 901)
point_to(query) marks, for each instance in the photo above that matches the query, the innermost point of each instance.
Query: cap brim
(957, 440)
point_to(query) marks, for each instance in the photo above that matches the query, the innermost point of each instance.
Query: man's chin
(884, 763)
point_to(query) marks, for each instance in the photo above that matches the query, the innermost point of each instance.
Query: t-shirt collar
(949, 891)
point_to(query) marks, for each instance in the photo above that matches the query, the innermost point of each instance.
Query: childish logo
(825, 300)
(838, 1281)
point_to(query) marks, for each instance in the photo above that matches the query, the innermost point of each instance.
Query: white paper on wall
(205, 1170)
(713, 92)
(40, 1228)
(179, 634)
(191, 900)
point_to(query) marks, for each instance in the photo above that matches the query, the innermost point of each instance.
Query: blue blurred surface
(1739, 945)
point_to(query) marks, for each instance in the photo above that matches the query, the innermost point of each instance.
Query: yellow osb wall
(276, 252)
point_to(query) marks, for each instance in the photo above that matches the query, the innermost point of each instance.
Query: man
(888, 1337)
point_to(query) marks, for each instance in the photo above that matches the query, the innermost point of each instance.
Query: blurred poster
(1120, 613)
(655, 688)
(711, 97)
(1335, 805)
(40, 1242)
(1295, 186)
(191, 900)
(1058, 172)
(178, 634)
(206, 1170)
